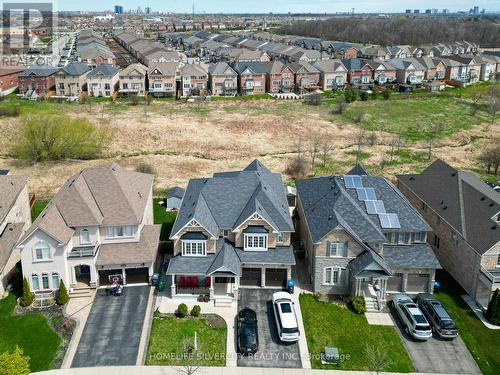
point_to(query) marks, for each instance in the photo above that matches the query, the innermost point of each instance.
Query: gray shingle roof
(256, 67)
(227, 199)
(75, 69)
(38, 71)
(460, 198)
(8, 239)
(277, 256)
(369, 260)
(413, 256)
(104, 70)
(10, 188)
(176, 192)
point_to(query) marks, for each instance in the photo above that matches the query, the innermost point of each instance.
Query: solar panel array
(372, 204)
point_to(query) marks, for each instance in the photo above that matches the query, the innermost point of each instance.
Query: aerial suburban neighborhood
(267, 187)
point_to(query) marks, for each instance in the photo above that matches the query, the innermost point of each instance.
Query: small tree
(493, 312)
(374, 95)
(326, 148)
(386, 94)
(182, 310)
(431, 135)
(340, 106)
(145, 168)
(490, 157)
(314, 147)
(27, 298)
(377, 359)
(350, 95)
(363, 95)
(493, 102)
(475, 98)
(134, 100)
(312, 99)
(62, 294)
(297, 166)
(15, 363)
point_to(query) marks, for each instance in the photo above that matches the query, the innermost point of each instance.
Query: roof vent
(453, 174)
(493, 227)
(330, 217)
(491, 204)
(445, 207)
(483, 198)
(412, 178)
(205, 181)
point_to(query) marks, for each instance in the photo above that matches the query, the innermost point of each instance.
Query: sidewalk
(158, 370)
(77, 309)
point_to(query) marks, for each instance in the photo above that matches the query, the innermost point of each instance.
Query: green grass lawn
(169, 333)
(37, 209)
(166, 219)
(31, 333)
(327, 324)
(483, 343)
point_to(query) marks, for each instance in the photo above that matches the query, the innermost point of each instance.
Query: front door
(223, 285)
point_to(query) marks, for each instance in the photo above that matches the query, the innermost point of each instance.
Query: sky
(277, 6)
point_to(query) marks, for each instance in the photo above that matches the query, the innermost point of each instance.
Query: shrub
(62, 294)
(27, 298)
(15, 363)
(145, 168)
(312, 99)
(340, 106)
(350, 95)
(374, 95)
(358, 304)
(182, 310)
(196, 310)
(493, 312)
(386, 94)
(134, 99)
(44, 138)
(9, 111)
(363, 95)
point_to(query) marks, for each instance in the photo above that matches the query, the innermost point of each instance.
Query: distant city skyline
(276, 6)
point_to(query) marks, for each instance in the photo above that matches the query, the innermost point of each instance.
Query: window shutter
(328, 248)
(345, 249)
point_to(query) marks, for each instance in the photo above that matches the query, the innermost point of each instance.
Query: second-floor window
(84, 236)
(498, 261)
(420, 237)
(42, 251)
(336, 249)
(194, 248)
(281, 237)
(255, 241)
(118, 232)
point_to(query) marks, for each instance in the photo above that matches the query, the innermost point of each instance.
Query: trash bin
(161, 286)
(290, 286)
(155, 278)
(437, 286)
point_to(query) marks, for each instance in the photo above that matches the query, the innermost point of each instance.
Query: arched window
(34, 282)
(55, 280)
(84, 236)
(42, 251)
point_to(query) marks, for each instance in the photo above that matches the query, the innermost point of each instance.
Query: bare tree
(297, 166)
(358, 117)
(326, 148)
(314, 147)
(432, 134)
(476, 97)
(340, 106)
(372, 138)
(377, 359)
(493, 102)
(490, 157)
(188, 369)
(359, 142)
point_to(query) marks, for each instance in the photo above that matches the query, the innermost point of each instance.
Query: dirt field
(185, 140)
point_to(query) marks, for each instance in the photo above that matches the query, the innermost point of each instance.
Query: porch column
(211, 292)
(172, 287)
(432, 276)
(263, 276)
(124, 277)
(383, 288)
(405, 281)
(236, 287)
(289, 273)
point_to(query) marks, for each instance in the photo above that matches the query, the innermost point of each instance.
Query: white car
(286, 319)
(414, 321)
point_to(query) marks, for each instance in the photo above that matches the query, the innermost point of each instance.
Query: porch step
(223, 302)
(81, 292)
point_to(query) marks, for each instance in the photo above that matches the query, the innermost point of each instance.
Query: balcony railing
(83, 251)
(492, 276)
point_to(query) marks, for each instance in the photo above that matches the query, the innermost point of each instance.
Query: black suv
(441, 322)
(248, 334)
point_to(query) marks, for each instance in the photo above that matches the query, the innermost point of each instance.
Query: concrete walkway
(78, 308)
(478, 312)
(379, 318)
(167, 305)
(159, 370)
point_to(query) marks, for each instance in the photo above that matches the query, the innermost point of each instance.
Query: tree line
(400, 30)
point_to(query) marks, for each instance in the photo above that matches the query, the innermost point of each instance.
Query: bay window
(256, 242)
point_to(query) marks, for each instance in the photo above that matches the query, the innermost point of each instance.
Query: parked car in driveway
(286, 319)
(248, 333)
(441, 322)
(414, 321)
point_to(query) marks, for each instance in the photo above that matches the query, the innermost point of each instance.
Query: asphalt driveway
(113, 330)
(437, 355)
(271, 353)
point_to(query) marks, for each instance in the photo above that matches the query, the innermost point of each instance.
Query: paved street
(113, 330)
(438, 355)
(271, 353)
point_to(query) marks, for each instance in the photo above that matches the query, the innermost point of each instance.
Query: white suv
(286, 319)
(414, 321)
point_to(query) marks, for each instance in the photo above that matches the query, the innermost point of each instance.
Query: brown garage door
(395, 283)
(104, 278)
(276, 277)
(418, 282)
(137, 275)
(250, 277)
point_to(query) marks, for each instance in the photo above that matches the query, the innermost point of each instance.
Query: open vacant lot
(185, 140)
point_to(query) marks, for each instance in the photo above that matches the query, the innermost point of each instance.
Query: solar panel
(394, 220)
(352, 181)
(374, 207)
(384, 221)
(366, 194)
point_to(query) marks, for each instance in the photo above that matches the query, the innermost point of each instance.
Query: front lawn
(483, 343)
(37, 209)
(169, 335)
(166, 219)
(31, 333)
(327, 324)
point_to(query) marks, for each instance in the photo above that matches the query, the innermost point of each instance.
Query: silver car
(414, 321)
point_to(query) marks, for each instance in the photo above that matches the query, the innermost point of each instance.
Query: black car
(248, 333)
(441, 322)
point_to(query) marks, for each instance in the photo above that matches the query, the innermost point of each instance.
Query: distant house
(223, 79)
(194, 80)
(15, 218)
(174, 198)
(37, 80)
(473, 67)
(8, 78)
(464, 213)
(72, 79)
(162, 80)
(132, 80)
(383, 72)
(307, 77)
(333, 74)
(103, 81)
(408, 71)
(359, 72)
(280, 77)
(252, 77)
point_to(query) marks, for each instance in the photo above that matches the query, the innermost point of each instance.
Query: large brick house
(464, 213)
(37, 80)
